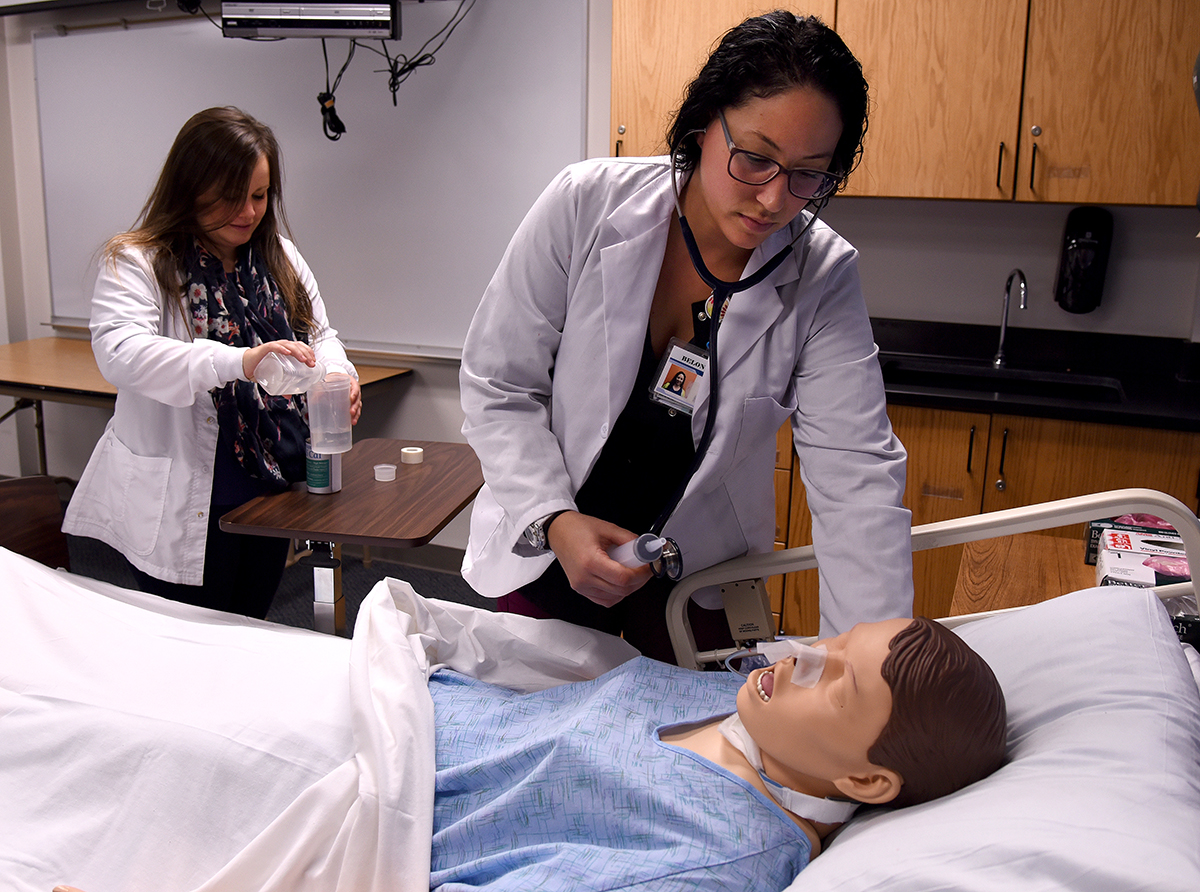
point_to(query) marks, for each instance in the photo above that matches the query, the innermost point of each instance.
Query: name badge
(680, 382)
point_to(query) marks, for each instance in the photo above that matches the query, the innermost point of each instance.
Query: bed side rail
(1010, 521)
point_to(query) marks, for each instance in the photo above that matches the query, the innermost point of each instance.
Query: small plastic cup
(385, 473)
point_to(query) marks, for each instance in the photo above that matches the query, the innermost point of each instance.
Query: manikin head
(904, 712)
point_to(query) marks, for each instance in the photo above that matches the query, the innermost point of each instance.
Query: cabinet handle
(999, 173)
(1032, 167)
(971, 441)
(617, 153)
(1001, 485)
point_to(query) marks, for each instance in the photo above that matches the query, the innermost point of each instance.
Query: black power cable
(330, 122)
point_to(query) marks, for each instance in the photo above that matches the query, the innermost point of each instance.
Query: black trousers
(241, 573)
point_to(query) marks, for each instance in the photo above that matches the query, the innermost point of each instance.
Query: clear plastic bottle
(282, 374)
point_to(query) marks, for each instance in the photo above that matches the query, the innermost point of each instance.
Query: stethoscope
(670, 564)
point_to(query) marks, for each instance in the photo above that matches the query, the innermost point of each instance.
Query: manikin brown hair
(209, 164)
(948, 721)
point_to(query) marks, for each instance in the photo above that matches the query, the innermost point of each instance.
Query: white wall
(921, 260)
(948, 261)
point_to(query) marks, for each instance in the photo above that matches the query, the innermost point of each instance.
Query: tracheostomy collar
(815, 808)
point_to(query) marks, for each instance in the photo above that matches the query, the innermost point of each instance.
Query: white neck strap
(823, 811)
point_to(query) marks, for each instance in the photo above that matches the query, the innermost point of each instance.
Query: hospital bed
(147, 745)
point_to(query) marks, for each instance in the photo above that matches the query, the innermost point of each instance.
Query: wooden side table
(405, 513)
(1014, 571)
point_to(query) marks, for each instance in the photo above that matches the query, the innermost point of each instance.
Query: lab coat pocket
(762, 416)
(134, 490)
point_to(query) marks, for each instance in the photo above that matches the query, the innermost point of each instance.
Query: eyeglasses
(758, 170)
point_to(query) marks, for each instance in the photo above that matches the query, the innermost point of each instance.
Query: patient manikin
(635, 781)
(643, 778)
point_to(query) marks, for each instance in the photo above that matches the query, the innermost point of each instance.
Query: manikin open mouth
(766, 684)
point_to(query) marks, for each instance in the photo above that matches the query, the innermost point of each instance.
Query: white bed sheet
(146, 745)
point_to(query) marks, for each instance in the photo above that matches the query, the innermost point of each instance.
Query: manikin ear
(878, 786)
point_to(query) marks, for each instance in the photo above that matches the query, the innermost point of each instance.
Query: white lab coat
(146, 489)
(550, 359)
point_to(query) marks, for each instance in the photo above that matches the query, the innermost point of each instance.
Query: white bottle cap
(412, 455)
(385, 472)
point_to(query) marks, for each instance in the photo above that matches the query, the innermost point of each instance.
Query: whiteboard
(403, 220)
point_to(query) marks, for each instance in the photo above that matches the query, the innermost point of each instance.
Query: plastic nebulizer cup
(281, 374)
(329, 415)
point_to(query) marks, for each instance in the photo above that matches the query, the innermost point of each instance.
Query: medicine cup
(329, 415)
(281, 374)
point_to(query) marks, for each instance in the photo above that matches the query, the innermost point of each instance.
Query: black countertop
(1159, 378)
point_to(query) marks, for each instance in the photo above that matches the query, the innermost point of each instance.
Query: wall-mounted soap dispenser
(1087, 240)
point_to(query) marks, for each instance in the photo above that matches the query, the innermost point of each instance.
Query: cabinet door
(658, 46)
(1108, 86)
(945, 80)
(1038, 459)
(947, 469)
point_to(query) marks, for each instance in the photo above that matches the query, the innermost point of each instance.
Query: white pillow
(1101, 790)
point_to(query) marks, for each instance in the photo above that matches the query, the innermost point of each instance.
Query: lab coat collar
(630, 268)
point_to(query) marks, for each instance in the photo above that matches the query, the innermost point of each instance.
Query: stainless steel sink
(979, 377)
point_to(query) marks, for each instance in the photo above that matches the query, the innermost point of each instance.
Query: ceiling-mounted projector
(312, 18)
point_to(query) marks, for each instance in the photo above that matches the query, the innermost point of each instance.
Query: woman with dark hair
(598, 291)
(185, 307)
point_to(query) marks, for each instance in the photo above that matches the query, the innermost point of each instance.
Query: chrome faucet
(998, 362)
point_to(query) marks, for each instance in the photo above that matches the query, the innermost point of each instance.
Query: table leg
(329, 608)
(38, 424)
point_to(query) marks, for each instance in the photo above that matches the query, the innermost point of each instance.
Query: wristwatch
(536, 532)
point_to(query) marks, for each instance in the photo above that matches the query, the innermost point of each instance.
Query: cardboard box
(1159, 542)
(1139, 569)
(1097, 529)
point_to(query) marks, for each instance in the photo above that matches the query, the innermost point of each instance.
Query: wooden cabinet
(658, 47)
(1108, 91)
(1106, 114)
(962, 463)
(1036, 459)
(945, 79)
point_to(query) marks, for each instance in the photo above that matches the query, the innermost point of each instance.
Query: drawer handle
(1001, 485)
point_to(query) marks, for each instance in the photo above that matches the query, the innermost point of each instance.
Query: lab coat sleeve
(142, 342)
(508, 362)
(325, 341)
(852, 465)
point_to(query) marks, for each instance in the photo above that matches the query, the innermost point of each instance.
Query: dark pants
(241, 573)
(641, 618)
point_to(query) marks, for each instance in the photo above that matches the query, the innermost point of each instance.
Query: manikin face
(799, 127)
(812, 736)
(228, 226)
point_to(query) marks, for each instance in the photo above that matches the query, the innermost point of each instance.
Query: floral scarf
(244, 308)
